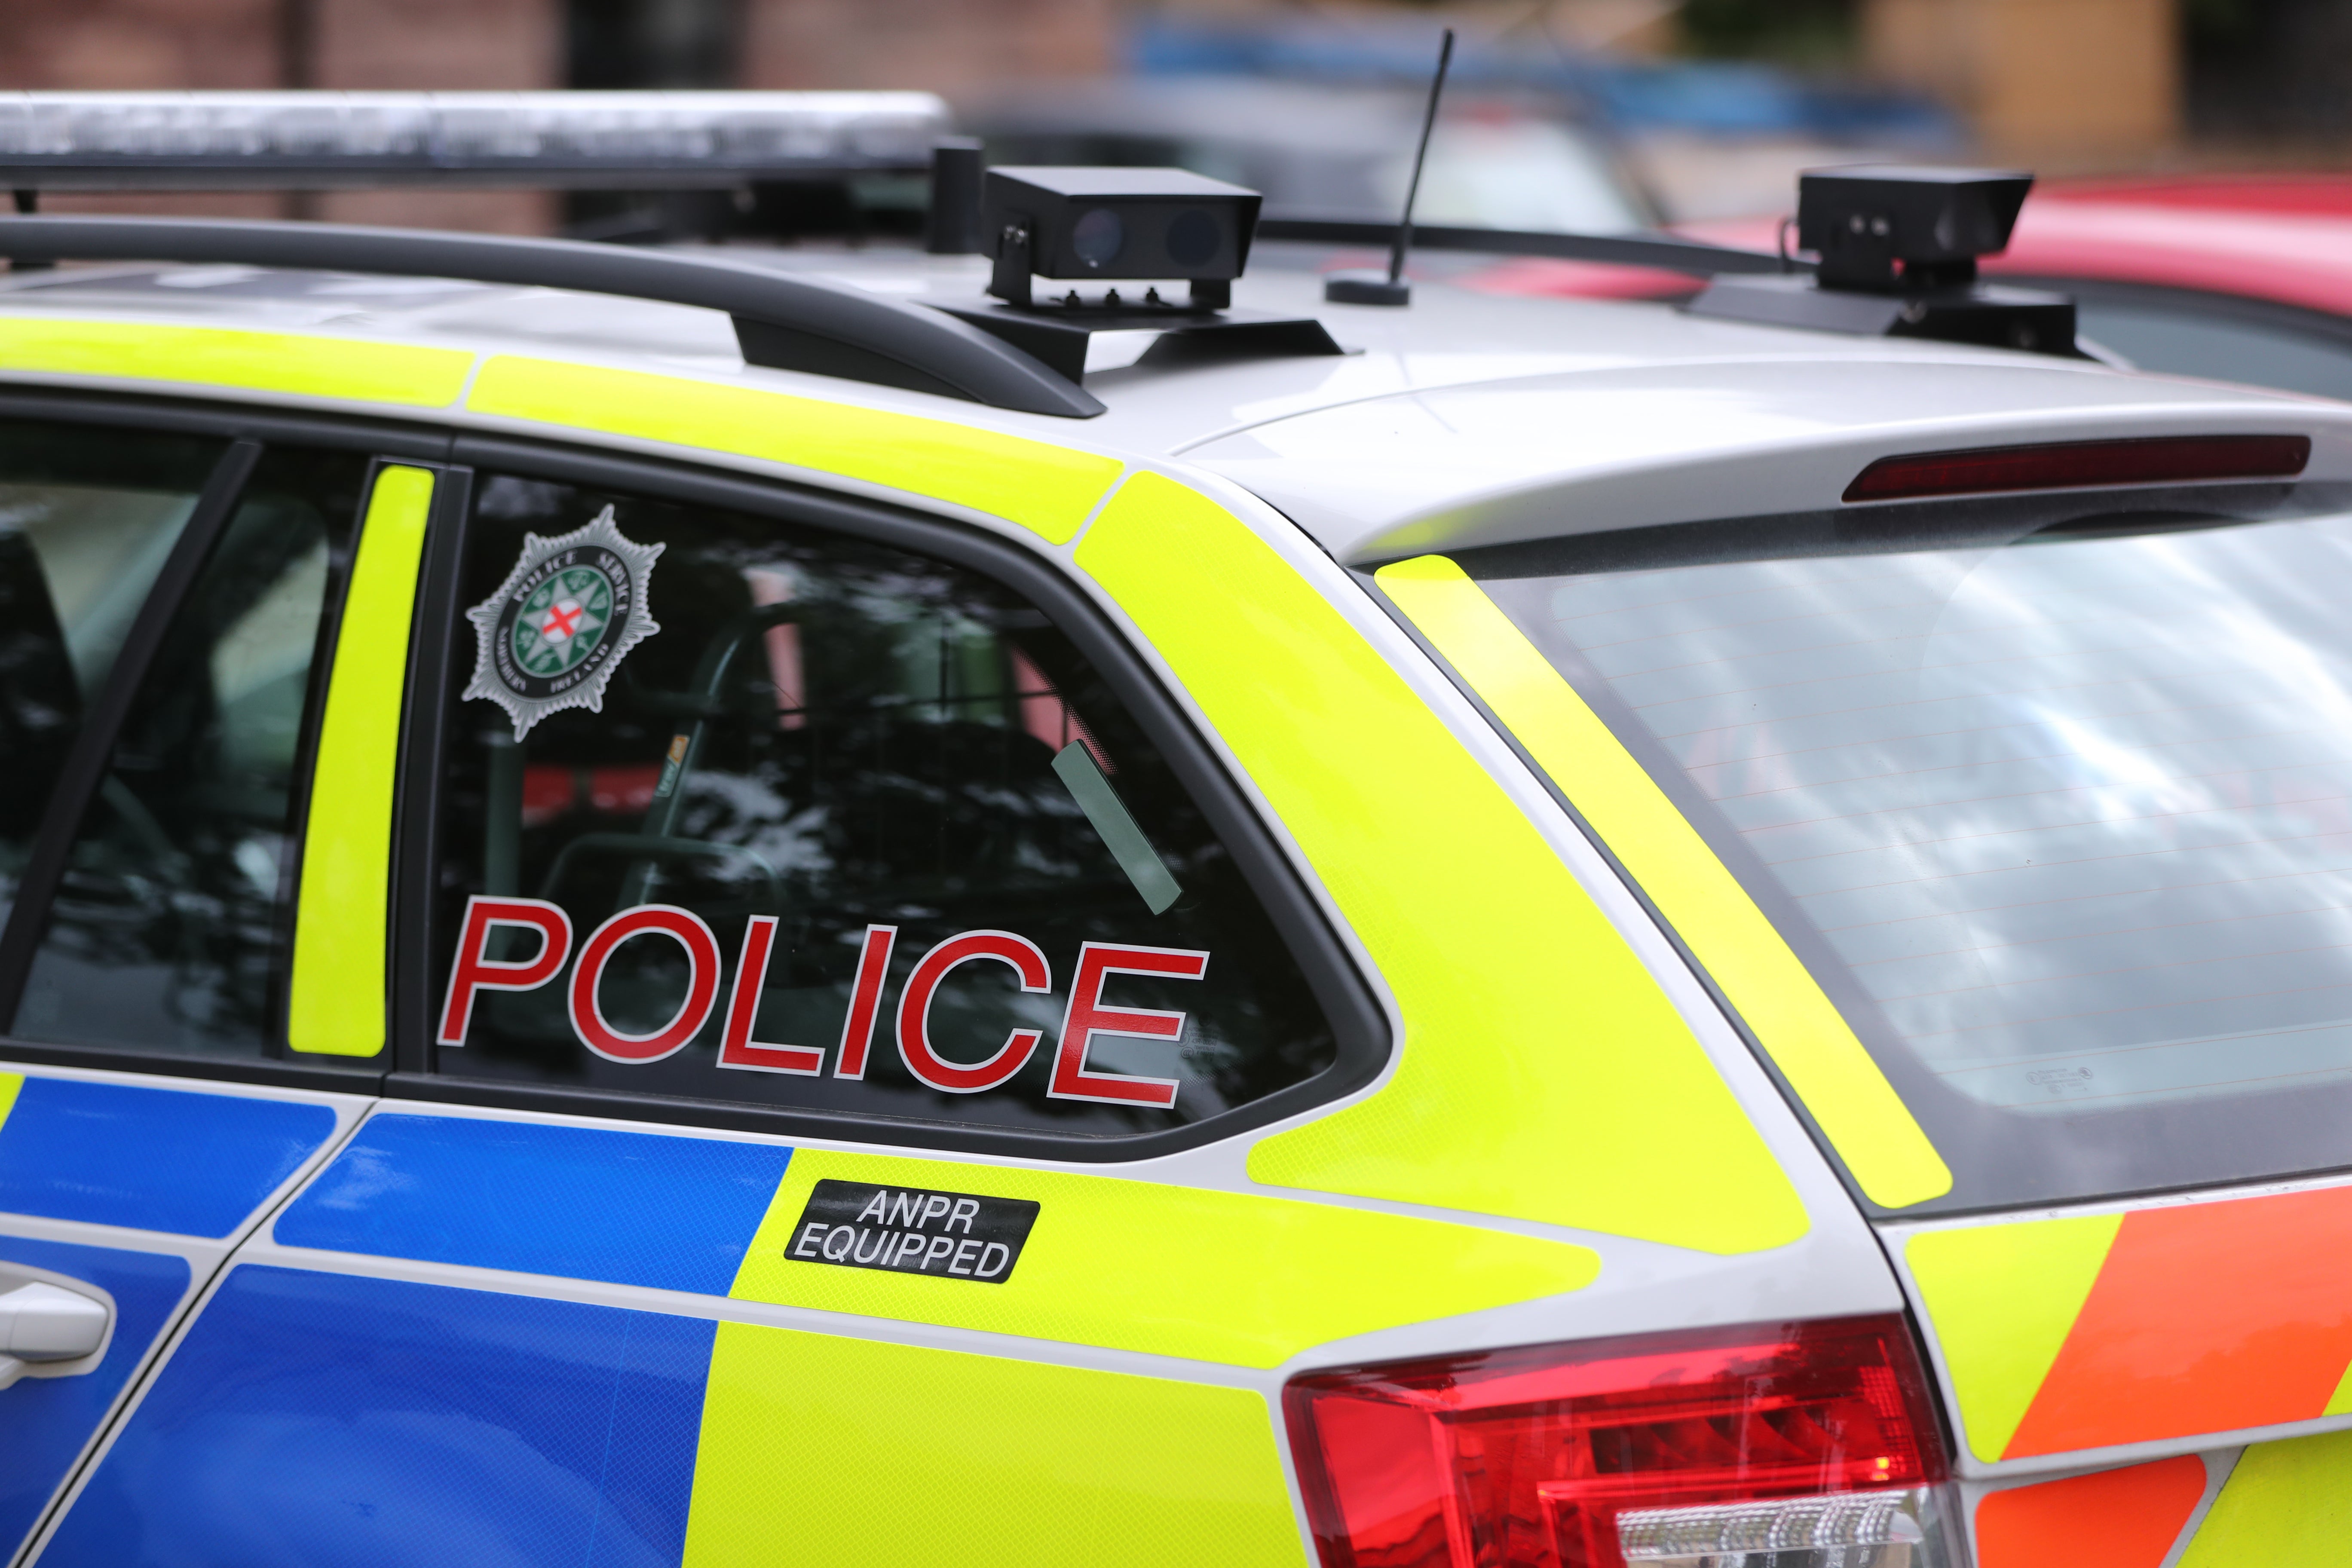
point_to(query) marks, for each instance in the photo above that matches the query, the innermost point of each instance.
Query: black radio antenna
(1363, 288)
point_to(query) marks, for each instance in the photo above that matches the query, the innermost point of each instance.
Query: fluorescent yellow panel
(2340, 1402)
(10, 1083)
(2002, 1298)
(1047, 488)
(350, 368)
(337, 1001)
(1181, 1272)
(1847, 1095)
(2285, 1504)
(822, 1451)
(1545, 1075)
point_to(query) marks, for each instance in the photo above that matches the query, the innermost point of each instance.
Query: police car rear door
(196, 612)
(780, 877)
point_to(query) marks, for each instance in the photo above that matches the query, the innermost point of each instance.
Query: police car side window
(87, 517)
(171, 927)
(748, 812)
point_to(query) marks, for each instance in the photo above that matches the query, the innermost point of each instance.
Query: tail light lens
(1796, 1445)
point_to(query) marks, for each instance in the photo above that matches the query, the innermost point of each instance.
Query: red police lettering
(865, 1001)
(1021, 956)
(735, 1046)
(1087, 1017)
(474, 971)
(682, 926)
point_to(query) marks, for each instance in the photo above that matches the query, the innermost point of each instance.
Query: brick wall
(2055, 82)
(942, 45)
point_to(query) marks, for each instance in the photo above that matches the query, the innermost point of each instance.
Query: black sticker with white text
(909, 1230)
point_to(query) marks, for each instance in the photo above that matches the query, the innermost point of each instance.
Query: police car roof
(1464, 419)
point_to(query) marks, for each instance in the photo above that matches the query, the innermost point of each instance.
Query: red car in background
(2244, 278)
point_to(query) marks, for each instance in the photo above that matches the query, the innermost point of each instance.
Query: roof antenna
(1370, 288)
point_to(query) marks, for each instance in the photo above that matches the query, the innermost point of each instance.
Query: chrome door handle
(41, 1323)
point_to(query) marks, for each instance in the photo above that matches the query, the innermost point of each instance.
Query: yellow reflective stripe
(2340, 1402)
(2285, 1502)
(1046, 489)
(1224, 1276)
(350, 368)
(1842, 1089)
(2002, 1299)
(825, 1450)
(1545, 1076)
(10, 1082)
(337, 1001)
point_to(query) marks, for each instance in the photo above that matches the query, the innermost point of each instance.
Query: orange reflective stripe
(2202, 1318)
(2205, 1318)
(2117, 1518)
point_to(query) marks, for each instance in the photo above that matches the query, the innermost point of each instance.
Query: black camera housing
(1114, 225)
(1889, 228)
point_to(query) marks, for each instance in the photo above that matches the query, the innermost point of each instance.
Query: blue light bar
(277, 141)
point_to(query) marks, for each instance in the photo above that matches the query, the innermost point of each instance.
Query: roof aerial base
(1057, 337)
(1985, 314)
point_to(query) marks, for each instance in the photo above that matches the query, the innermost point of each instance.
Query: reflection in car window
(2176, 336)
(746, 811)
(2055, 796)
(87, 517)
(171, 927)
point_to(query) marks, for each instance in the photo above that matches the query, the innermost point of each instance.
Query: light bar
(2080, 465)
(277, 141)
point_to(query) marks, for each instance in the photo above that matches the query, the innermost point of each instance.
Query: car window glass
(693, 746)
(2055, 795)
(2179, 340)
(171, 926)
(87, 517)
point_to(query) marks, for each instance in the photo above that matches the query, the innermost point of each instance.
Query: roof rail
(782, 322)
(317, 141)
(1664, 252)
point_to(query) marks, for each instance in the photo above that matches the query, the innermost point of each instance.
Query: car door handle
(41, 1323)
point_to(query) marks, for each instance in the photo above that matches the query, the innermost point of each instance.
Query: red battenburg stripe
(2079, 465)
(2205, 1318)
(2117, 1518)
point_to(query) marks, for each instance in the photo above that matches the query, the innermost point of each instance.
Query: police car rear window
(745, 812)
(2054, 796)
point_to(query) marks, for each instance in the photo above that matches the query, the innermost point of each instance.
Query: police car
(740, 908)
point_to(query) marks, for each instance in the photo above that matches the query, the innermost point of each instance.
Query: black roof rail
(782, 322)
(1664, 252)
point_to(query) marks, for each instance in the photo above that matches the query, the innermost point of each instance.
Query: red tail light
(1788, 1441)
(2073, 465)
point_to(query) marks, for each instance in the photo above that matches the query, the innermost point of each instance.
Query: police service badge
(551, 636)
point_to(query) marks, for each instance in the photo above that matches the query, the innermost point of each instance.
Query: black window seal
(272, 426)
(424, 749)
(300, 1072)
(2212, 304)
(1360, 1029)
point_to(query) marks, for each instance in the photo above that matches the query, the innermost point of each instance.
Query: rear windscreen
(2054, 797)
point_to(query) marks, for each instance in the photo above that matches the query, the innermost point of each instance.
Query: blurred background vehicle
(1318, 150)
(2231, 278)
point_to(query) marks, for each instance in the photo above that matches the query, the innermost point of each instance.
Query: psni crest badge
(551, 636)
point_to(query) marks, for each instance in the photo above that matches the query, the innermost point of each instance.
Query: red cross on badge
(562, 621)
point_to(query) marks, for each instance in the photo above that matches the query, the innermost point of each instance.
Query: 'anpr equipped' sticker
(555, 631)
(908, 1230)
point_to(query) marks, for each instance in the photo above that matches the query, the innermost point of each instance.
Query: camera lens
(1193, 238)
(1098, 235)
